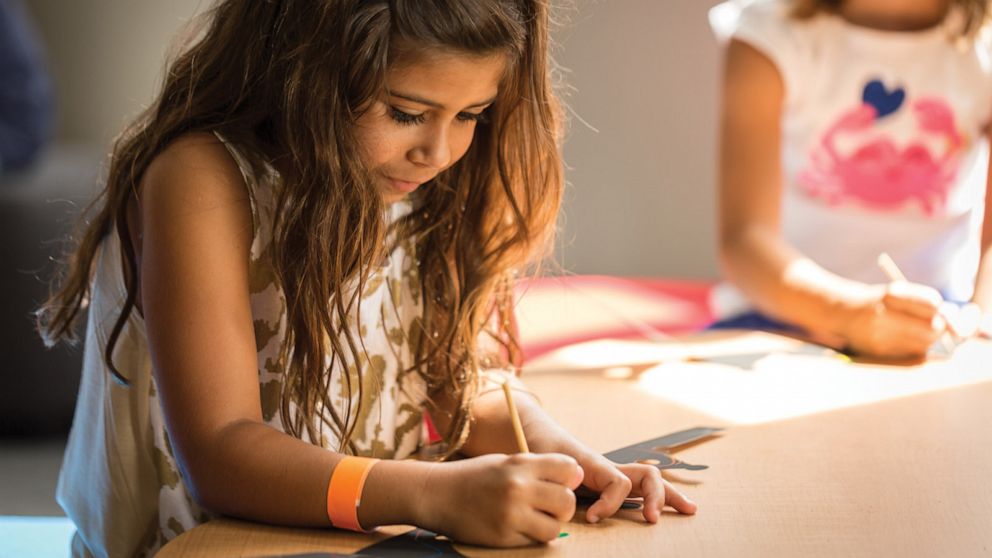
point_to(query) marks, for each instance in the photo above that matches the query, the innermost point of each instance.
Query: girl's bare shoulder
(193, 193)
(195, 170)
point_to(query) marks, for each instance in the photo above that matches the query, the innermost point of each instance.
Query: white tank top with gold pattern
(120, 483)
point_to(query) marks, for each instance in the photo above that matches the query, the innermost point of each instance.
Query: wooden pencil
(518, 430)
(890, 268)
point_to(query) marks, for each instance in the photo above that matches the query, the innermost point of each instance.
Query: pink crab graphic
(879, 173)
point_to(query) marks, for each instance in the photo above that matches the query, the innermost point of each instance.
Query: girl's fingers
(554, 500)
(610, 498)
(985, 326)
(554, 467)
(657, 492)
(920, 301)
(644, 481)
(652, 488)
(677, 500)
(900, 333)
(914, 337)
(539, 527)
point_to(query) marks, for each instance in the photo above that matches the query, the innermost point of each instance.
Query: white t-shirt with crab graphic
(883, 143)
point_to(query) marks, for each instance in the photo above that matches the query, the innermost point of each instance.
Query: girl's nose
(433, 150)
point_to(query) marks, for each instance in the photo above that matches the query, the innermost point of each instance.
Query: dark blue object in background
(27, 108)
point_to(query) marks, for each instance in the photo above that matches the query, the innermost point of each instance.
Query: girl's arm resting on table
(779, 279)
(193, 229)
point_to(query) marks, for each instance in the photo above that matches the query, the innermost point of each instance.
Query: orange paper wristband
(344, 491)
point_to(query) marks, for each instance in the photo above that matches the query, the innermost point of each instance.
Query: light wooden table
(900, 470)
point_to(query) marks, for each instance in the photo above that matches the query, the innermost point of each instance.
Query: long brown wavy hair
(288, 79)
(975, 13)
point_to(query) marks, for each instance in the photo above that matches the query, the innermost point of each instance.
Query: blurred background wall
(644, 74)
(107, 57)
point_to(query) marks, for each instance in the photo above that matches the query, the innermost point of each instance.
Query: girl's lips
(404, 186)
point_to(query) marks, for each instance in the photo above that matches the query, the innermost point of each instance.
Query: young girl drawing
(853, 128)
(305, 243)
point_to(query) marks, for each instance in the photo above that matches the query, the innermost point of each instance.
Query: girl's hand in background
(898, 320)
(985, 326)
(615, 482)
(501, 500)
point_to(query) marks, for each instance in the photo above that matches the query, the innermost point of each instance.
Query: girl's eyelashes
(405, 118)
(472, 116)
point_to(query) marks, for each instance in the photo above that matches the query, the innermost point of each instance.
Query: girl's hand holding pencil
(959, 322)
(614, 482)
(497, 499)
(501, 500)
(526, 497)
(897, 320)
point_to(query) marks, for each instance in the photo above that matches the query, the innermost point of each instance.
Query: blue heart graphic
(885, 102)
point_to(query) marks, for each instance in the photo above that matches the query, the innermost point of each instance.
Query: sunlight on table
(756, 377)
